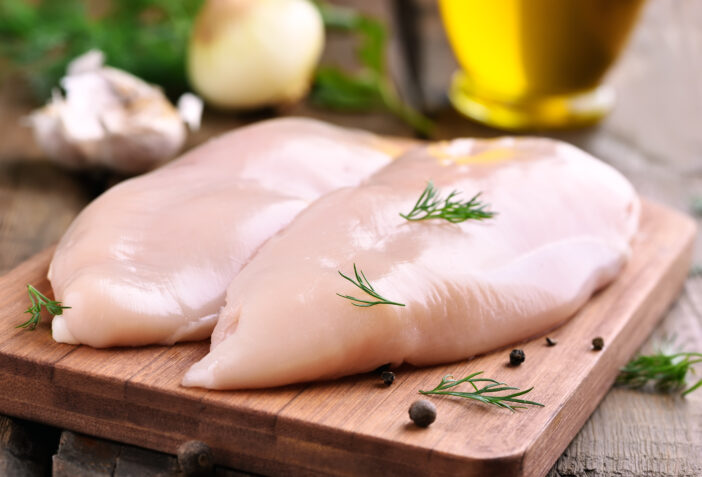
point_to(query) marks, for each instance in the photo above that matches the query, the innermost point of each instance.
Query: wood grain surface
(652, 136)
(355, 425)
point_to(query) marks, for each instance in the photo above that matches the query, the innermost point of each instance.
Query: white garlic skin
(109, 118)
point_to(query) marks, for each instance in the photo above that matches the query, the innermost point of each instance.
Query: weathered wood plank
(79, 455)
(350, 426)
(37, 202)
(652, 136)
(635, 433)
(25, 447)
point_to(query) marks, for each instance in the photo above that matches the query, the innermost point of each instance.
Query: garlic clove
(190, 109)
(111, 118)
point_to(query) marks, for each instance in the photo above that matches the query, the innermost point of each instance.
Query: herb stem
(416, 120)
(38, 300)
(430, 206)
(363, 283)
(667, 372)
(484, 394)
(371, 87)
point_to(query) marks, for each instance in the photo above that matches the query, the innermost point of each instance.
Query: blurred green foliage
(370, 87)
(147, 38)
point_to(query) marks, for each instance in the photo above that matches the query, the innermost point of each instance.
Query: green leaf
(692, 388)
(336, 17)
(370, 87)
(371, 52)
(38, 300)
(147, 38)
(667, 372)
(486, 393)
(337, 89)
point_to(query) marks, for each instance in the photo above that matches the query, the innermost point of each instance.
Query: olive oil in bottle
(525, 62)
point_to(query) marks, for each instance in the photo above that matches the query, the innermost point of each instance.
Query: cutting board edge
(515, 461)
(537, 461)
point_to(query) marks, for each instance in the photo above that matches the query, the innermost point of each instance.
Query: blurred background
(621, 79)
(386, 66)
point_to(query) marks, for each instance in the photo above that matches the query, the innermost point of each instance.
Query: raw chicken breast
(149, 261)
(562, 230)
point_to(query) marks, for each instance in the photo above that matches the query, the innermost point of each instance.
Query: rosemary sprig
(363, 283)
(666, 371)
(38, 300)
(483, 394)
(431, 206)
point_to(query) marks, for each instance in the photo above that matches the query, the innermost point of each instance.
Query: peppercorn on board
(355, 425)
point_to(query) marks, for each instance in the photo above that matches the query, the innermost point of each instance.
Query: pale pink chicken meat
(562, 230)
(149, 261)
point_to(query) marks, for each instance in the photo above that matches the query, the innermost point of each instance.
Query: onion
(246, 54)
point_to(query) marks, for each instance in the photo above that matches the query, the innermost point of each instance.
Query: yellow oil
(521, 51)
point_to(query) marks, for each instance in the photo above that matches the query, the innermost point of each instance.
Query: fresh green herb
(147, 38)
(696, 206)
(371, 87)
(363, 283)
(666, 371)
(38, 300)
(431, 206)
(485, 393)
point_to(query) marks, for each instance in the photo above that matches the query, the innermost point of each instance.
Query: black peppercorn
(597, 343)
(422, 413)
(382, 368)
(551, 342)
(516, 357)
(388, 377)
(195, 459)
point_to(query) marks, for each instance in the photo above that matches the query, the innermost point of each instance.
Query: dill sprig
(485, 393)
(363, 283)
(38, 300)
(666, 371)
(431, 206)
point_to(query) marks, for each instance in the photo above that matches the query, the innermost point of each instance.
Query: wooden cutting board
(356, 425)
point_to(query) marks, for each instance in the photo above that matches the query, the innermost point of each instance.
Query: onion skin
(248, 54)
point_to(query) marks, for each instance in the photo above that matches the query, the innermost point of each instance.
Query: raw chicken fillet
(562, 229)
(149, 261)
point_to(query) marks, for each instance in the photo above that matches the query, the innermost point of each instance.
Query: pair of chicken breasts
(244, 239)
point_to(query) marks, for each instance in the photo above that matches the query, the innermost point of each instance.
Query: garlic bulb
(246, 54)
(111, 118)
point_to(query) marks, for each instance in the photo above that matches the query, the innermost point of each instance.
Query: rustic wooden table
(653, 137)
